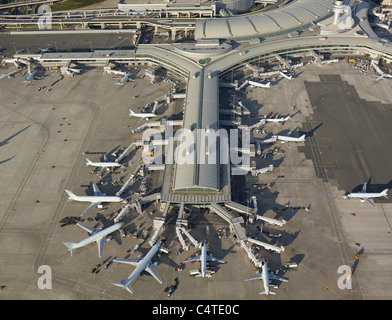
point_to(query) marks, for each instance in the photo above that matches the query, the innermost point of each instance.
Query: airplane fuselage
(97, 199)
(98, 235)
(277, 120)
(104, 164)
(260, 85)
(203, 259)
(143, 264)
(265, 279)
(364, 195)
(287, 138)
(143, 115)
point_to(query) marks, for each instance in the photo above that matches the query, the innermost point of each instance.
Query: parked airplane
(203, 258)
(96, 235)
(8, 75)
(266, 276)
(141, 115)
(44, 50)
(144, 264)
(104, 165)
(365, 196)
(382, 74)
(125, 79)
(72, 71)
(287, 139)
(278, 120)
(95, 200)
(260, 85)
(31, 76)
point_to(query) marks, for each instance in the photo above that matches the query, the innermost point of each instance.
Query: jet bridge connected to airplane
(126, 151)
(285, 62)
(182, 241)
(251, 256)
(267, 245)
(234, 222)
(159, 222)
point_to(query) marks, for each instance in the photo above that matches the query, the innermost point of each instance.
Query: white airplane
(114, 72)
(260, 85)
(365, 196)
(266, 276)
(141, 115)
(72, 71)
(9, 74)
(125, 79)
(287, 139)
(144, 264)
(95, 200)
(278, 120)
(203, 258)
(104, 165)
(96, 235)
(44, 50)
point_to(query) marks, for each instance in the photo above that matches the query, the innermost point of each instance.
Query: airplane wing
(364, 187)
(97, 192)
(256, 277)
(133, 262)
(195, 258)
(287, 143)
(275, 277)
(290, 132)
(92, 206)
(101, 243)
(105, 158)
(151, 270)
(369, 202)
(211, 258)
(90, 230)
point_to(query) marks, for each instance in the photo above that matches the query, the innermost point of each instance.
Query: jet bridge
(240, 208)
(125, 152)
(267, 245)
(285, 62)
(122, 213)
(234, 222)
(251, 256)
(184, 245)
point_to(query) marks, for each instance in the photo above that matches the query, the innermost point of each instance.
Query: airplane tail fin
(71, 247)
(384, 193)
(123, 284)
(303, 137)
(89, 162)
(71, 196)
(131, 112)
(269, 293)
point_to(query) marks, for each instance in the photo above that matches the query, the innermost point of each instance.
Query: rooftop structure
(299, 15)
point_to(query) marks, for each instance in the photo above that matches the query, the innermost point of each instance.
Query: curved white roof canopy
(296, 16)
